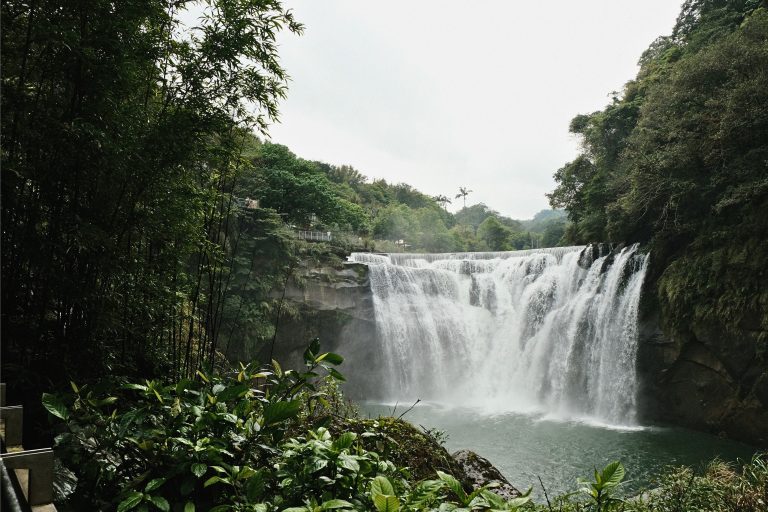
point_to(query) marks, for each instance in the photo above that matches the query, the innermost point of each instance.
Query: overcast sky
(440, 94)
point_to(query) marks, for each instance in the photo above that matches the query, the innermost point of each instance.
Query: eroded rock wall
(332, 303)
(706, 378)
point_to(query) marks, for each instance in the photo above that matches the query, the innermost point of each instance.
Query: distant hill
(544, 218)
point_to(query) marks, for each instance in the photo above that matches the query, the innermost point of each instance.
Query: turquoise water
(525, 447)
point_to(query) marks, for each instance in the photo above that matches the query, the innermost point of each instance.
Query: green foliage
(242, 441)
(719, 488)
(265, 254)
(679, 162)
(204, 441)
(299, 189)
(601, 492)
(254, 439)
(495, 234)
(123, 137)
(474, 215)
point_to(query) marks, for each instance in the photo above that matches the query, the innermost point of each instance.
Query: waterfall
(546, 330)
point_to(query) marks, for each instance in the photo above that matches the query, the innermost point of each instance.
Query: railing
(26, 476)
(314, 236)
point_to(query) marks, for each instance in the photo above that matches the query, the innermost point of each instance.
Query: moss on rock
(404, 444)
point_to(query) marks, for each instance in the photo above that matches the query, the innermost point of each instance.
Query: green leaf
(277, 368)
(187, 486)
(386, 503)
(211, 481)
(199, 469)
(133, 499)
(255, 486)
(453, 485)
(381, 485)
(493, 499)
(424, 493)
(233, 392)
(336, 374)
(183, 385)
(330, 357)
(349, 462)
(104, 401)
(311, 352)
(281, 411)
(55, 406)
(516, 503)
(331, 504)
(189, 507)
(344, 441)
(613, 474)
(154, 484)
(137, 387)
(160, 503)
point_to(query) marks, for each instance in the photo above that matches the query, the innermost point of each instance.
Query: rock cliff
(705, 378)
(333, 303)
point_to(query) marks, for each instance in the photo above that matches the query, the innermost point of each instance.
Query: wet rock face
(594, 251)
(335, 289)
(331, 303)
(708, 379)
(478, 471)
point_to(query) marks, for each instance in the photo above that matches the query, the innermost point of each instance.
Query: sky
(441, 93)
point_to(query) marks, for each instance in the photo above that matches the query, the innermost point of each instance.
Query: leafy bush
(251, 440)
(719, 489)
(193, 444)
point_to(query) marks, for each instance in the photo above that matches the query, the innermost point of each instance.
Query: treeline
(384, 216)
(679, 161)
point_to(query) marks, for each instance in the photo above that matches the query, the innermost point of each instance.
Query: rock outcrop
(333, 303)
(479, 471)
(707, 379)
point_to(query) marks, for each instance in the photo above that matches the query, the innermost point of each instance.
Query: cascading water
(549, 330)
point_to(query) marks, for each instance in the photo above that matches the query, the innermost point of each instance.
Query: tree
(474, 215)
(395, 222)
(553, 233)
(122, 141)
(495, 234)
(442, 200)
(463, 193)
(432, 233)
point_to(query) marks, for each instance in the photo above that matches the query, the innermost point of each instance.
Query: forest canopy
(679, 161)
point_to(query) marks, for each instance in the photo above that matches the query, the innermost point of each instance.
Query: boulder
(479, 471)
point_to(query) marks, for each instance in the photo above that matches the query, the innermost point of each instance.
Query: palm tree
(442, 200)
(463, 192)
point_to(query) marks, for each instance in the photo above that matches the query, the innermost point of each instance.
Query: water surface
(526, 446)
